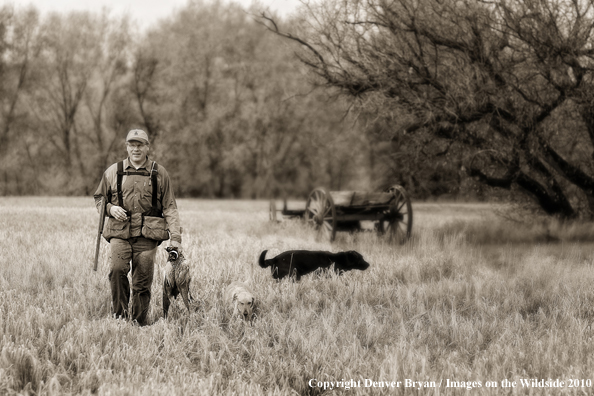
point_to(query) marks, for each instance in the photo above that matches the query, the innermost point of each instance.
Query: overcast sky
(145, 12)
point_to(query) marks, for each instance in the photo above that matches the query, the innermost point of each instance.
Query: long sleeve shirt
(137, 193)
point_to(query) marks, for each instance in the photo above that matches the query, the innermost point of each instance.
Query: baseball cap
(139, 135)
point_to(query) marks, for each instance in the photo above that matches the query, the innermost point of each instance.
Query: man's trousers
(141, 252)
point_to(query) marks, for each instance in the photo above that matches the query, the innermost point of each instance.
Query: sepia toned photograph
(296, 197)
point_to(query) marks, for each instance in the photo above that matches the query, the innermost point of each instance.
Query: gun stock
(101, 222)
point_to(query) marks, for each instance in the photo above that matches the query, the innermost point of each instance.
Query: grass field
(471, 301)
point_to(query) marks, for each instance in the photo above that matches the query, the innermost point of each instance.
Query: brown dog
(176, 280)
(302, 262)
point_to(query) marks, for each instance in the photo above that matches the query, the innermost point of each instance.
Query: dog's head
(173, 253)
(244, 304)
(355, 261)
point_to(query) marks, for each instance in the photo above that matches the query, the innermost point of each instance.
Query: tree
(17, 54)
(228, 112)
(507, 83)
(19, 47)
(105, 97)
(238, 112)
(64, 70)
(144, 90)
(78, 106)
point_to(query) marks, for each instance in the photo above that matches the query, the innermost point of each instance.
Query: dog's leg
(275, 273)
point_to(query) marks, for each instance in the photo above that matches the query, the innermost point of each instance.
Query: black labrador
(302, 262)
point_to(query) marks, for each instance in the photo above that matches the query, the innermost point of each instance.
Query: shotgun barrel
(99, 232)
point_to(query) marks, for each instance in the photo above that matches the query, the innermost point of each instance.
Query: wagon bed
(331, 211)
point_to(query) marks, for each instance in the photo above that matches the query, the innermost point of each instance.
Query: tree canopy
(229, 113)
(504, 89)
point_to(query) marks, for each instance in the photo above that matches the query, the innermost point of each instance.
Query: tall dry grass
(470, 298)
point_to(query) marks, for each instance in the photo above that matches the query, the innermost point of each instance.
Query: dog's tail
(262, 260)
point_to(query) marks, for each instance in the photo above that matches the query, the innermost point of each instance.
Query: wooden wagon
(331, 211)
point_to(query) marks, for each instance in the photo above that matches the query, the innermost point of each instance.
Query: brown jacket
(137, 193)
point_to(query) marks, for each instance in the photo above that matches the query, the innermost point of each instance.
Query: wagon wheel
(320, 212)
(272, 211)
(399, 217)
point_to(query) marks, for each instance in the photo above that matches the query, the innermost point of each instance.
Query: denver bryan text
(368, 383)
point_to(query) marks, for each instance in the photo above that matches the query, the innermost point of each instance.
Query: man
(142, 212)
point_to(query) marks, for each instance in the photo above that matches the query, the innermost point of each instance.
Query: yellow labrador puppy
(241, 297)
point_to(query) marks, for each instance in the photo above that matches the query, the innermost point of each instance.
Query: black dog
(302, 262)
(176, 280)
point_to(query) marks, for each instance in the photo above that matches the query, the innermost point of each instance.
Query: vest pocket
(115, 228)
(155, 228)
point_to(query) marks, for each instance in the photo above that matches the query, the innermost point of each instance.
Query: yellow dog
(241, 297)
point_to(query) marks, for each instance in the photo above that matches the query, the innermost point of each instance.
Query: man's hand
(118, 213)
(177, 245)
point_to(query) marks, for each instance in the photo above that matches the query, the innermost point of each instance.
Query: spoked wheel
(320, 213)
(272, 211)
(397, 225)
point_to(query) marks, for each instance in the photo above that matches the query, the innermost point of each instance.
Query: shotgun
(101, 222)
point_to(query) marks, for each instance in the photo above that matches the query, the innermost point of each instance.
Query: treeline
(230, 110)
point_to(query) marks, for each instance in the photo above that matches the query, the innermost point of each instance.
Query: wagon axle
(318, 219)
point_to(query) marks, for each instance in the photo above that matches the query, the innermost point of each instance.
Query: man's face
(137, 151)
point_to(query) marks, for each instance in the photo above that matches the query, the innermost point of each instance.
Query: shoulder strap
(119, 182)
(154, 173)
